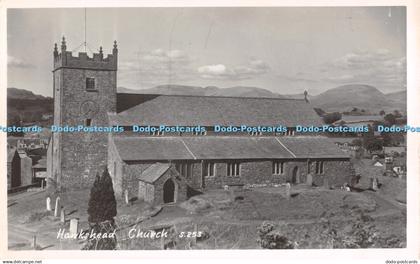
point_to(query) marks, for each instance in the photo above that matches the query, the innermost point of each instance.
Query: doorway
(169, 191)
(295, 175)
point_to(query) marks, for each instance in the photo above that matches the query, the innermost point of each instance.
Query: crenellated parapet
(65, 59)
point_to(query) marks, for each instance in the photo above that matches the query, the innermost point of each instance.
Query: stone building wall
(336, 173)
(78, 156)
(115, 167)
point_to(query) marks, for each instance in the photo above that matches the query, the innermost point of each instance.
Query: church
(166, 167)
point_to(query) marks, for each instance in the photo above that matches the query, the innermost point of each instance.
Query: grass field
(229, 219)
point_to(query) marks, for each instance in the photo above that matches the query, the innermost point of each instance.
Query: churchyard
(309, 217)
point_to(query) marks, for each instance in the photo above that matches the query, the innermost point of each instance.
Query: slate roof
(154, 172)
(151, 148)
(313, 147)
(225, 147)
(182, 110)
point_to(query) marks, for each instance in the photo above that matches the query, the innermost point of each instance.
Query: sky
(282, 49)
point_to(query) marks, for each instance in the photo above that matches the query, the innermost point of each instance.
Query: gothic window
(233, 169)
(90, 83)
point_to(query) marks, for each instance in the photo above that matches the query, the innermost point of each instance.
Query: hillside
(25, 106)
(344, 98)
(15, 93)
(398, 99)
(241, 91)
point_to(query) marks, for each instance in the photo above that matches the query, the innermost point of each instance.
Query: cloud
(156, 67)
(18, 63)
(379, 68)
(253, 69)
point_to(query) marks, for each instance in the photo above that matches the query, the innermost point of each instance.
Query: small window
(278, 168)
(88, 122)
(255, 133)
(319, 167)
(233, 169)
(200, 133)
(208, 169)
(90, 83)
(157, 133)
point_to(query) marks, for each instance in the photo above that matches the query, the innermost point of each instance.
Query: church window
(90, 83)
(233, 169)
(88, 122)
(319, 167)
(185, 169)
(278, 168)
(208, 169)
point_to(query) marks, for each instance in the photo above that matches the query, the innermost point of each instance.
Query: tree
(94, 201)
(102, 204)
(382, 112)
(102, 209)
(397, 114)
(390, 119)
(357, 142)
(330, 118)
(270, 238)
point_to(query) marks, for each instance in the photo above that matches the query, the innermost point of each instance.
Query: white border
(291, 256)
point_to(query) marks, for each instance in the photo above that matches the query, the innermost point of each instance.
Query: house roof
(182, 110)
(42, 163)
(389, 150)
(10, 153)
(225, 147)
(154, 172)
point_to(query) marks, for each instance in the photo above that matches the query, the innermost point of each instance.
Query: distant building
(39, 172)
(19, 168)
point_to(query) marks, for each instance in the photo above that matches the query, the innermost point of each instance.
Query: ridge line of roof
(216, 96)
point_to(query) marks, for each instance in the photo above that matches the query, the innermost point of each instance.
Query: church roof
(154, 172)
(225, 147)
(186, 110)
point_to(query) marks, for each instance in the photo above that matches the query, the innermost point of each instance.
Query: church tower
(84, 92)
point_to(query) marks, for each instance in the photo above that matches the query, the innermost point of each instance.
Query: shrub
(270, 238)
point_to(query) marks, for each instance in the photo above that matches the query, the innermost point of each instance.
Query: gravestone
(57, 207)
(375, 184)
(126, 196)
(74, 226)
(309, 179)
(63, 215)
(34, 242)
(48, 201)
(288, 187)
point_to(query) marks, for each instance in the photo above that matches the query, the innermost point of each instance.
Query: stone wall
(129, 178)
(180, 189)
